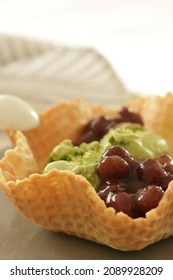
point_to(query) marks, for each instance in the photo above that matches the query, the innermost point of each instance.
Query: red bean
(121, 202)
(118, 151)
(127, 115)
(148, 198)
(113, 167)
(109, 188)
(98, 125)
(151, 172)
(167, 163)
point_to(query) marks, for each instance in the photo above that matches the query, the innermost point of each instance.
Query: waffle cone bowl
(62, 201)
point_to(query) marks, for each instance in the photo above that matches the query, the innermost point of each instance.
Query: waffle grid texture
(64, 202)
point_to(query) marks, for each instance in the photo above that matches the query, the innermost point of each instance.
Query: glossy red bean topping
(99, 126)
(167, 163)
(128, 185)
(112, 167)
(148, 198)
(151, 171)
(121, 202)
(116, 197)
(131, 186)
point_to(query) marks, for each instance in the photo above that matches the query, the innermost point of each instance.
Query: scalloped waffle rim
(49, 199)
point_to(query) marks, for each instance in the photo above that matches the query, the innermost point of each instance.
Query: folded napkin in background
(43, 73)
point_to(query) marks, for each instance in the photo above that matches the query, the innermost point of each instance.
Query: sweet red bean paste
(127, 184)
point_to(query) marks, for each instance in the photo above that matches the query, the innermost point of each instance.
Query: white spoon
(16, 114)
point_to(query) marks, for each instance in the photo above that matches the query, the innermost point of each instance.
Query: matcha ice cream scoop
(138, 141)
(83, 159)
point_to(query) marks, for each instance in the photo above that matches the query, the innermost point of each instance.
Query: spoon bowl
(15, 113)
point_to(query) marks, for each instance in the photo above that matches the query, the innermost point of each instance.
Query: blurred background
(134, 37)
